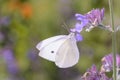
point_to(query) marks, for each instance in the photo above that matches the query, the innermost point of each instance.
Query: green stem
(113, 39)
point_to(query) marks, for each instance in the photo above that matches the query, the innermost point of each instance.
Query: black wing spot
(52, 51)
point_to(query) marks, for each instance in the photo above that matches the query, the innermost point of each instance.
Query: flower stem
(113, 38)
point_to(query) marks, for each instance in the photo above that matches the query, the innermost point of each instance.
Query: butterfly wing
(68, 54)
(49, 47)
(48, 41)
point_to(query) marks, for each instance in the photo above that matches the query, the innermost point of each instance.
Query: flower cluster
(107, 66)
(5, 43)
(94, 74)
(10, 61)
(88, 21)
(107, 62)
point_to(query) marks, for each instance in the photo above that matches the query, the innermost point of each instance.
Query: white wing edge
(46, 42)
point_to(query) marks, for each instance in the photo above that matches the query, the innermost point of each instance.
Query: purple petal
(95, 16)
(107, 62)
(94, 74)
(118, 60)
(78, 27)
(79, 37)
(10, 61)
(84, 23)
(80, 17)
(93, 69)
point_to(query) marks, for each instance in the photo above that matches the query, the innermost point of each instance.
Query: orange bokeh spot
(26, 10)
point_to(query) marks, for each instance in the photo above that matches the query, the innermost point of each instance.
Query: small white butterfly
(60, 49)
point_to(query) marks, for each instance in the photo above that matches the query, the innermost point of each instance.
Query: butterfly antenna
(66, 26)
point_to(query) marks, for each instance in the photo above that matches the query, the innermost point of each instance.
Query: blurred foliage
(34, 20)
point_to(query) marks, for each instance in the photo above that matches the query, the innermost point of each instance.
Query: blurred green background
(24, 23)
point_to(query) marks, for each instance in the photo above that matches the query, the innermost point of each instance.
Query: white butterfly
(60, 49)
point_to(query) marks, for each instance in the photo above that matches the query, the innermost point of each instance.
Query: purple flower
(4, 21)
(78, 28)
(10, 61)
(89, 21)
(95, 16)
(94, 74)
(107, 62)
(82, 21)
(78, 37)
(31, 55)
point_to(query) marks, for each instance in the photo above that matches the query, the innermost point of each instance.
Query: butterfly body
(61, 49)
